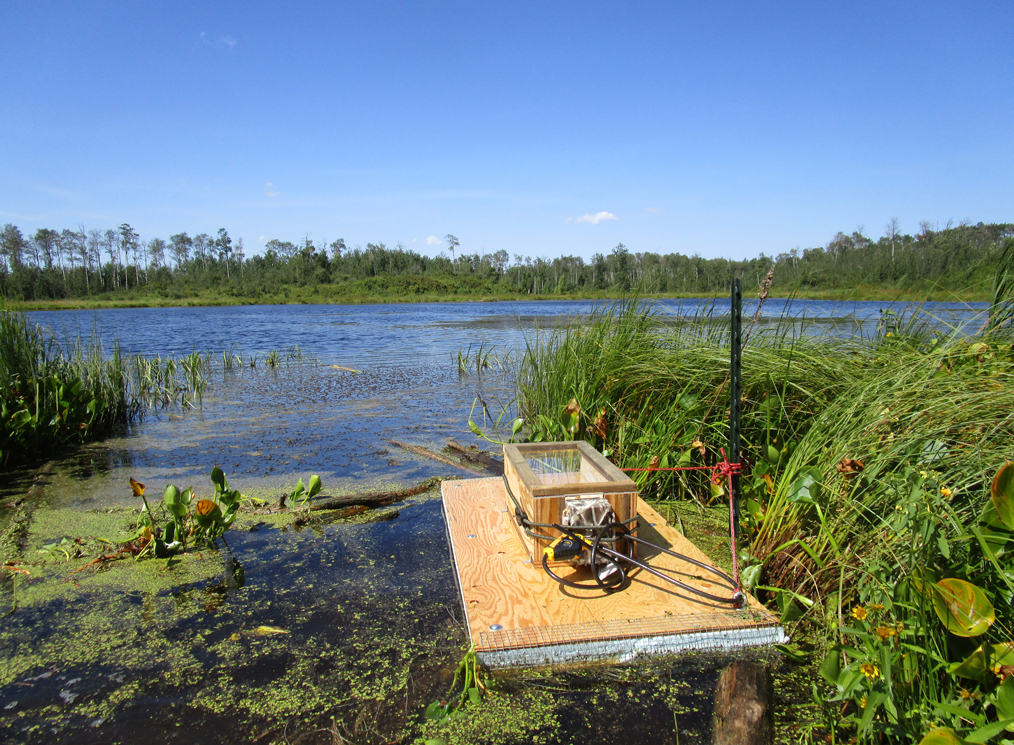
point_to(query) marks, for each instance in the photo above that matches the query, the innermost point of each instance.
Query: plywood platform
(518, 616)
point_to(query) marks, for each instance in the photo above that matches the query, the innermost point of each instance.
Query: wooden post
(744, 705)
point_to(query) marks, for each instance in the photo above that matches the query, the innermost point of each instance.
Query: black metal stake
(735, 381)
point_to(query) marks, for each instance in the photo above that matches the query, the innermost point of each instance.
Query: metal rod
(735, 381)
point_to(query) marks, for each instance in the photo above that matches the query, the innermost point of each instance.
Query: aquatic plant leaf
(268, 631)
(962, 608)
(137, 486)
(435, 711)
(315, 487)
(830, 668)
(218, 479)
(932, 452)
(795, 655)
(771, 453)
(1005, 698)
(806, 487)
(474, 696)
(516, 425)
(941, 736)
(972, 667)
(1002, 493)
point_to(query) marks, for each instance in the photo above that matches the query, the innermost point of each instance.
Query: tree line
(82, 263)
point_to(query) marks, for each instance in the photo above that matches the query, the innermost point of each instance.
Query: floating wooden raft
(518, 616)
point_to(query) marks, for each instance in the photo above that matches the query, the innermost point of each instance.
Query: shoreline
(858, 295)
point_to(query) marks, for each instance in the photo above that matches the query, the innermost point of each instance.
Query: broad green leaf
(218, 479)
(435, 711)
(830, 668)
(1005, 698)
(516, 425)
(806, 488)
(171, 495)
(772, 454)
(962, 607)
(973, 666)
(942, 736)
(475, 428)
(1002, 493)
(474, 696)
(315, 487)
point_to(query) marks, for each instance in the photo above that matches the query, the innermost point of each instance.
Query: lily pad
(962, 608)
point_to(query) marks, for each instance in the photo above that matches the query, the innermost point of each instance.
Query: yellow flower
(862, 702)
(889, 334)
(885, 632)
(869, 670)
(946, 492)
(964, 693)
(859, 613)
(875, 608)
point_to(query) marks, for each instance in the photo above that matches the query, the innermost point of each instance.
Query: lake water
(177, 660)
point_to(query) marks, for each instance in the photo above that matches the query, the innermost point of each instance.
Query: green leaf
(959, 711)
(475, 429)
(218, 479)
(796, 655)
(1005, 698)
(772, 454)
(962, 608)
(942, 736)
(1002, 493)
(474, 696)
(315, 487)
(873, 702)
(435, 711)
(806, 487)
(973, 666)
(987, 733)
(516, 425)
(830, 668)
(172, 502)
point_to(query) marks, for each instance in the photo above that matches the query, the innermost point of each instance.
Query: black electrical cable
(738, 599)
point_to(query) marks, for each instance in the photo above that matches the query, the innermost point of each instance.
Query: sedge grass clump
(54, 396)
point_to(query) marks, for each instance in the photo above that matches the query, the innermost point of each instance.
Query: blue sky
(543, 129)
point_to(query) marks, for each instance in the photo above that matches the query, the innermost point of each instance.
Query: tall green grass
(867, 461)
(53, 396)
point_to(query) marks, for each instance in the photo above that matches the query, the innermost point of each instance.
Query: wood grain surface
(503, 590)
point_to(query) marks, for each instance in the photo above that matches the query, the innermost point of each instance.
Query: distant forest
(112, 264)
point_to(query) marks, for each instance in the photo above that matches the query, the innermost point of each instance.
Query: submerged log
(436, 456)
(744, 705)
(373, 498)
(478, 457)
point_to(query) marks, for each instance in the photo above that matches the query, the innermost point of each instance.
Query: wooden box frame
(544, 502)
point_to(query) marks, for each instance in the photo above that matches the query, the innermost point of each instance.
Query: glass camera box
(543, 475)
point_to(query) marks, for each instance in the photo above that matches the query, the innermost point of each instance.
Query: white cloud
(597, 218)
(432, 240)
(270, 190)
(653, 210)
(228, 41)
(261, 239)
